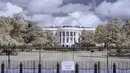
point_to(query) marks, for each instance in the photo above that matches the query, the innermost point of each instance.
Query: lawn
(85, 59)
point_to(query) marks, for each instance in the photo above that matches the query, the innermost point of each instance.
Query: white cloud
(69, 8)
(2, 5)
(59, 20)
(120, 8)
(10, 9)
(88, 20)
(21, 3)
(44, 6)
(73, 19)
(41, 11)
(43, 19)
(79, 19)
(104, 8)
(68, 20)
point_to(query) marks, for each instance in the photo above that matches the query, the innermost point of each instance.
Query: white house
(67, 35)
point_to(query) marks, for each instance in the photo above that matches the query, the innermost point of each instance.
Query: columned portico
(67, 36)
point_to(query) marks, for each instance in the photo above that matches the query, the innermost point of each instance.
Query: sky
(87, 13)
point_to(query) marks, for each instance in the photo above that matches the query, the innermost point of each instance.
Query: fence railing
(96, 60)
(96, 68)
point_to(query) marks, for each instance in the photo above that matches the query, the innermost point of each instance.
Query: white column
(65, 37)
(62, 37)
(73, 36)
(76, 36)
(69, 37)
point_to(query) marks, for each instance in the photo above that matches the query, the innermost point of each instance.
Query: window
(71, 33)
(71, 39)
(74, 33)
(63, 39)
(63, 33)
(60, 39)
(67, 39)
(67, 33)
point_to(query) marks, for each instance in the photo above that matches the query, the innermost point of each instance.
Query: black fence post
(33, 66)
(114, 68)
(95, 68)
(2, 67)
(39, 68)
(21, 68)
(76, 68)
(58, 68)
(98, 67)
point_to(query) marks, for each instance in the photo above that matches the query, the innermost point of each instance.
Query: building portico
(67, 36)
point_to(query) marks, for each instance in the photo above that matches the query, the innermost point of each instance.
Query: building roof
(68, 28)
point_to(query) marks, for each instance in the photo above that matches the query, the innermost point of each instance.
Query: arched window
(63, 45)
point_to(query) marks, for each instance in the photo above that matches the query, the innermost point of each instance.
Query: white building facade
(67, 35)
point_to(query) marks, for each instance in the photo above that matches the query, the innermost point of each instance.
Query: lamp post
(9, 52)
(107, 59)
(40, 53)
(91, 56)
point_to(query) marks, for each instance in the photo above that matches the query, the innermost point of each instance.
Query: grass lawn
(50, 58)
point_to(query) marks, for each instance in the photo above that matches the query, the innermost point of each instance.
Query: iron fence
(48, 60)
(56, 69)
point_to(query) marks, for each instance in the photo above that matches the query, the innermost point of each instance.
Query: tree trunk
(105, 45)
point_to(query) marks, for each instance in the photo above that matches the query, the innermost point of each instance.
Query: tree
(30, 33)
(110, 33)
(87, 38)
(51, 39)
(5, 29)
(126, 30)
(101, 35)
(18, 31)
(115, 33)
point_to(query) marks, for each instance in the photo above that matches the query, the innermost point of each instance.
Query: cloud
(42, 11)
(2, 5)
(88, 20)
(69, 8)
(79, 19)
(20, 3)
(43, 19)
(9, 9)
(44, 6)
(64, 21)
(120, 8)
(78, 14)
